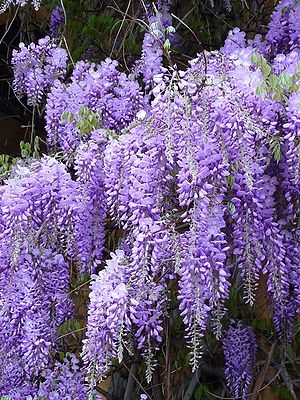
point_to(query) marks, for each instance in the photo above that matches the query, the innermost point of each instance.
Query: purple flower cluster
(91, 210)
(56, 21)
(64, 381)
(36, 67)
(239, 349)
(101, 88)
(5, 4)
(284, 31)
(203, 181)
(37, 204)
(157, 38)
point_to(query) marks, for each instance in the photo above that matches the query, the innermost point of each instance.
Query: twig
(287, 379)
(70, 333)
(10, 25)
(263, 372)
(156, 386)
(138, 382)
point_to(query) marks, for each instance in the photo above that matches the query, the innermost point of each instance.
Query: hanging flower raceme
(137, 186)
(64, 381)
(91, 211)
(36, 67)
(57, 21)
(158, 38)
(239, 349)
(37, 207)
(102, 89)
(5, 4)
(284, 31)
(109, 316)
(202, 178)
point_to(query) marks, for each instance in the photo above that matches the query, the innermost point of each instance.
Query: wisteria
(57, 20)
(173, 193)
(37, 67)
(37, 204)
(240, 351)
(64, 381)
(102, 89)
(5, 4)
(156, 40)
(91, 211)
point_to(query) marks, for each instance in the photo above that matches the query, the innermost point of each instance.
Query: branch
(263, 372)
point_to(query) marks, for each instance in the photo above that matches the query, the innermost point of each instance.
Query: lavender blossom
(36, 67)
(56, 21)
(240, 351)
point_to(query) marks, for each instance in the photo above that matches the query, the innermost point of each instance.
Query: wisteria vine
(199, 172)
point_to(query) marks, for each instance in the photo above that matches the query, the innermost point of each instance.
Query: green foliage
(277, 87)
(28, 150)
(87, 122)
(263, 326)
(282, 393)
(202, 391)
(275, 147)
(6, 163)
(233, 303)
(92, 29)
(68, 326)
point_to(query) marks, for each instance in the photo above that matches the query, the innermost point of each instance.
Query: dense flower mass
(200, 179)
(64, 381)
(37, 204)
(103, 89)
(284, 31)
(156, 39)
(91, 210)
(240, 351)
(36, 67)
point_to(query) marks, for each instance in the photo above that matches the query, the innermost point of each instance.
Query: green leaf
(198, 393)
(170, 29)
(230, 181)
(292, 353)
(266, 70)
(275, 147)
(65, 116)
(167, 44)
(285, 79)
(253, 57)
(261, 89)
(273, 81)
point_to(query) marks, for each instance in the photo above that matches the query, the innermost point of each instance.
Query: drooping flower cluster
(239, 349)
(36, 67)
(37, 204)
(157, 38)
(102, 89)
(91, 210)
(5, 4)
(64, 381)
(211, 136)
(137, 185)
(56, 21)
(284, 31)
(203, 182)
